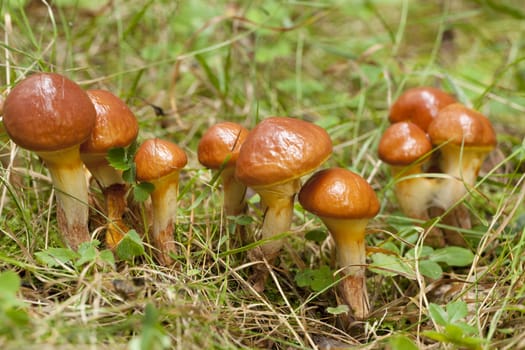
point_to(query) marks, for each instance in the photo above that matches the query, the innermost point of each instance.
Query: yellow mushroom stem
(69, 180)
(277, 204)
(164, 205)
(415, 194)
(462, 164)
(234, 193)
(349, 238)
(114, 191)
(116, 204)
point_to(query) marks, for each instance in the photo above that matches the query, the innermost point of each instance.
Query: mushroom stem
(277, 203)
(115, 199)
(349, 237)
(415, 196)
(234, 193)
(164, 204)
(68, 177)
(462, 165)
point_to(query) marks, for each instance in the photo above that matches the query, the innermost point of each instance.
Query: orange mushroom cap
(156, 158)
(48, 112)
(219, 142)
(280, 149)
(115, 126)
(403, 143)
(339, 193)
(419, 105)
(459, 124)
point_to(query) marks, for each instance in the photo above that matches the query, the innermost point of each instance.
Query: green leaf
(117, 158)
(54, 257)
(430, 269)
(130, 246)
(339, 309)
(401, 342)
(438, 314)
(422, 252)
(437, 336)
(88, 253)
(390, 265)
(142, 191)
(17, 316)
(456, 311)
(454, 333)
(9, 283)
(317, 236)
(242, 220)
(108, 257)
(453, 256)
(317, 279)
(129, 175)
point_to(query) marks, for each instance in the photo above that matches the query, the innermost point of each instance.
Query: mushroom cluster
(433, 133)
(72, 130)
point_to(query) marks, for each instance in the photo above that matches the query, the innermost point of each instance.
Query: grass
(181, 67)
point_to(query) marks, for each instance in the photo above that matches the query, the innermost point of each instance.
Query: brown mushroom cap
(219, 142)
(419, 105)
(459, 124)
(156, 158)
(115, 126)
(403, 143)
(280, 149)
(48, 112)
(339, 193)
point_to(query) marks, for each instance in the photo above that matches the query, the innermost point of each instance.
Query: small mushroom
(218, 149)
(272, 160)
(405, 148)
(159, 162)
(420, 105)
(51, 115)
(345, 202)
(115, 126)
(464, 137)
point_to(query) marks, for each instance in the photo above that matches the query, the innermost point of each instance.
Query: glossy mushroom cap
(48, 112)
(220, 142)
(458, 124)
(116, 125)
(403, 143)
(419, 105)
(280, 149)
(156, 158)
(340, 194)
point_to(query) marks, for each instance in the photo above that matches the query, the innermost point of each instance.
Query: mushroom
(159, 162)
(420, 105)
(345, 202)
(405, 147)
(218, 149)
(464, 137)
(115, 126)
(273, 158)
(51, 115)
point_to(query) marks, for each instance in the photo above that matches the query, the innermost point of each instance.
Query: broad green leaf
(130, 246)
(438, 314)
(390, 265)
(9, 283)
(457, 310)
(317, 279)
(339, 309)
(453, 256)
(88, 253)
(142, 191)
(117, 158)
(317, 236)
(401, 342)
(54, 257)
(423, 251)
(430, 269)
(108, 257)
(454, 333)
(437, 336)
